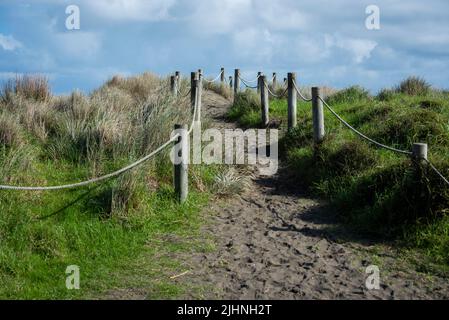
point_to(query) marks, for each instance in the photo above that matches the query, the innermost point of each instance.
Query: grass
(222, 89)
(374, 190)
(110, 230)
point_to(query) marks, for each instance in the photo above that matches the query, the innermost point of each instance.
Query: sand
(277, 242)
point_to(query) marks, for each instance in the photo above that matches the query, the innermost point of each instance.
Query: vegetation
(375, 190)
(104, 229)
(222, 89)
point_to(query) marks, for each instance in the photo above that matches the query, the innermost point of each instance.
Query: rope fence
(121, 171)
(318, 117)
(215, 79)
(361, 134)
(419, 150)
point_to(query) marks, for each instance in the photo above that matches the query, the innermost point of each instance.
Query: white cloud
(219, 17)
(280, 16)
(360, 48)
(126, 10)
(8, 43)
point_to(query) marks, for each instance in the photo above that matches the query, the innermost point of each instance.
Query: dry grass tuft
(32, 87)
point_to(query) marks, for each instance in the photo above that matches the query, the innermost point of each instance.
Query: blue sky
(325, 42)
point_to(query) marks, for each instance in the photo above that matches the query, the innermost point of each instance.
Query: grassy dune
(375, 190)
(105, 228)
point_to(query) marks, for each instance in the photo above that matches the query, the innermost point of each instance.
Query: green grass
(41, 234)
(374, 190)
(120, 232)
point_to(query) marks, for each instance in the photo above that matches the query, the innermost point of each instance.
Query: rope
(247, 85)
(184, 95)
(300, 94)
(110, 175)
(361, 134)
(218, 77)
(94, 180)
(249, 81)
(275, 95)
(437, 172)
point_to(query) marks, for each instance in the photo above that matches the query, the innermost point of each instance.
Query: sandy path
(275, 242)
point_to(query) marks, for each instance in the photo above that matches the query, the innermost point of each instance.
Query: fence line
(319, 123)
(249, 81)
(218, 77)
(361, 134)
(437, 171)
(94, 180)
(275, 95)
(300, 94)
(420, 153)
(110, 175)
(247, 84)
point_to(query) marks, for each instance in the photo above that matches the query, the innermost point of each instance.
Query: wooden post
(199, 97)
(259, 81)
(222, 76)
(236, 81)
(230, 82)
(181, 181)
(178, 78)
(264, 100)
(420, 151)
(318, 115)
(274, 80)
(173, 86)
(193, 84)
(292, 101)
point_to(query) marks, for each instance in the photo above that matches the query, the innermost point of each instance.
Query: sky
(326, 42)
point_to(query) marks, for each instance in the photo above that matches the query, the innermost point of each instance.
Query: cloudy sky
(325, 42)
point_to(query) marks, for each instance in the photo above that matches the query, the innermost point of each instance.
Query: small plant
(349, 95)
(229, 182)
(414, 86)
(386, 95)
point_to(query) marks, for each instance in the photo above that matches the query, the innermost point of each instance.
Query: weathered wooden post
(173, 86)
(199, 97)
(264, 99)
(259, 81)
(292, 101)
(222, 76)
(181, 181)
(274, 81)
(236, 81)
(178, 78)
(193, 84)
(230, 82)
(420, 152)
(318, 115)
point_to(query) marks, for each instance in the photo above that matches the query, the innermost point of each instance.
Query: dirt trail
(275, 242)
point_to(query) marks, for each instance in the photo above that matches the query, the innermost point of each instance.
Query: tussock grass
(374, 190)
(32, 87)
(229, 182)
(414, 86)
